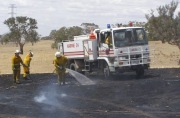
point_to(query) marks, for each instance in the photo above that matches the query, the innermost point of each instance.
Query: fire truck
(128, 51)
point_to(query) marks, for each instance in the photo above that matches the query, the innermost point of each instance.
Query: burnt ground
(157, 95)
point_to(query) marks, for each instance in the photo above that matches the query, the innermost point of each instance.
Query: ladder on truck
(87, 64)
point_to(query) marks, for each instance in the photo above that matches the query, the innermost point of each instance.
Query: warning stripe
(81, 53)
(75, 52)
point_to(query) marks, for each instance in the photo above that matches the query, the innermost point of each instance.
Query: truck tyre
(73, 67)
(139, 72)
(106, 71)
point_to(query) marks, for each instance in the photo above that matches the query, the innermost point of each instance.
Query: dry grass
(164, 55)
(41, 62)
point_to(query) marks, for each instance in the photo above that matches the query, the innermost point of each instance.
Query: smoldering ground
(51, 97)
(48, 95)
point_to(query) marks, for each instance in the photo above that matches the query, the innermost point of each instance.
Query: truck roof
(109, 29)
(81, 37)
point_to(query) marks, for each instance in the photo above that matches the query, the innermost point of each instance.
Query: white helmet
(31, 54)
(58, 54)
(17, 52)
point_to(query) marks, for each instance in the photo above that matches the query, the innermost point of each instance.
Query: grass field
(162, 56)
(41, 62)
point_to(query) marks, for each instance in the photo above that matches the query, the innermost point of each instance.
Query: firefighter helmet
(17, 52)
(58, 54)
(31, 53)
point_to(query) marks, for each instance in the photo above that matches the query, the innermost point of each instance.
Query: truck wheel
(73, 67)
(140, 71)
(107, 73)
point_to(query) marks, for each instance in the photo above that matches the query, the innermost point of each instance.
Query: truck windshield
(129, 37)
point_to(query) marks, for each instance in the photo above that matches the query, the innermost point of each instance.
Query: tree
(32, 36)
(5, 38)
(165, 26)
(74, 31)
(65, 33)
(52, 34)
(87, 27)
(22, 29)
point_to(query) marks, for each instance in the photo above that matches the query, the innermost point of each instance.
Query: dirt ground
(154, 96)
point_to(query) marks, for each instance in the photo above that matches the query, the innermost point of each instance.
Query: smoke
(40, 98)
(49, 95)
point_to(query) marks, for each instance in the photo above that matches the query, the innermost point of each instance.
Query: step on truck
(128, 51)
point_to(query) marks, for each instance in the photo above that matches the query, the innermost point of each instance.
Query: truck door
(103, 48)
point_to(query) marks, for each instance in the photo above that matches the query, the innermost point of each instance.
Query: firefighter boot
(63, 81)
(18, 82)
(26, 78)
(59, 82)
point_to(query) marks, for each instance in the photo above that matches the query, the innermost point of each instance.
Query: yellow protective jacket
(27, 61)
(16, 60)
(109, 40)
(60, 62)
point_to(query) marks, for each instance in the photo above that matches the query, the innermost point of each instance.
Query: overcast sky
(54, 14)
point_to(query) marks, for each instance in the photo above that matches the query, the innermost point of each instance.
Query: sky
(54, 14)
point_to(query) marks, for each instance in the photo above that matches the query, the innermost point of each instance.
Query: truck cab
(129, 49)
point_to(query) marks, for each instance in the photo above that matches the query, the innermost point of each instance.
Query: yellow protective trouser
(26, 72)
(61, 76)
(16, 75)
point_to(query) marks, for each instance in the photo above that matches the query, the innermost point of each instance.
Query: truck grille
(135, 56)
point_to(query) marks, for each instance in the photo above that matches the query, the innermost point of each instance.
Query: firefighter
(27, 61)
(16, 61)
(109, 39)
(60, 63)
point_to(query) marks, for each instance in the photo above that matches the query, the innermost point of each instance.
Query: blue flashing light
(108, 26)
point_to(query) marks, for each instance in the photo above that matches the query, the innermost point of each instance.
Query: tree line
(165, 26)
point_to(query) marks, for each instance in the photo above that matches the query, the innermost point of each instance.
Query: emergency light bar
(108, 26)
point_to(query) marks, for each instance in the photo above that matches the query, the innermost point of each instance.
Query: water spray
(83, 80)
